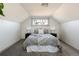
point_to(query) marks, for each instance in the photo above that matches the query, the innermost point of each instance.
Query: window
(40, 21)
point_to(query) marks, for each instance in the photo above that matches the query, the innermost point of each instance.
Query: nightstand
(27, 34)
(54, 34)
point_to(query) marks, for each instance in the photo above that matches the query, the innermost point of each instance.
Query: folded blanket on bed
(48, 48)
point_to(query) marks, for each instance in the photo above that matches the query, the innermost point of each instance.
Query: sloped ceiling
(14, 12)
(62, 12)
(38, 10)
(67, 12)
(19, 12)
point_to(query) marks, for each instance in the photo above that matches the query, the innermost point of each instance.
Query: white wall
(9, 34)
(26, 24)
(70, 33)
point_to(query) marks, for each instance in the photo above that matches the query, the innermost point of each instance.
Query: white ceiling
(61, 12)
(38, 10)
(67, 12)
(14, 12)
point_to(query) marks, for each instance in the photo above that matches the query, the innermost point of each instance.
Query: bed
(42, 43)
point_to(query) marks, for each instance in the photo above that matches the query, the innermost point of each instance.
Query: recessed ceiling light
(44, 4)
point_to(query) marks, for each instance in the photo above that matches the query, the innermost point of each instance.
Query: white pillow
(40, 31)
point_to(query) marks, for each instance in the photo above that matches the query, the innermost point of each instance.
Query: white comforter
(41, 39)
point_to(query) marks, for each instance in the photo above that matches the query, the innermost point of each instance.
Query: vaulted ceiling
(19, 12)
(39, 10)
(14, 12)
(67, 12)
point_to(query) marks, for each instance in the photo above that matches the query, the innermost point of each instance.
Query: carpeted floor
(17, 50)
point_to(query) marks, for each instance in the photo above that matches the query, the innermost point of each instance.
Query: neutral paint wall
(9, 34)
(70, 33)
(27, 24)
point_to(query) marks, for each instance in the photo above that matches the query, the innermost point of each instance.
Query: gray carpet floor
(17, 50)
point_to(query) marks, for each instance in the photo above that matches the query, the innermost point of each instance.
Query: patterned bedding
(41, 39)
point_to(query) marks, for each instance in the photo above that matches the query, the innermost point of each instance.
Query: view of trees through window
(40, 21)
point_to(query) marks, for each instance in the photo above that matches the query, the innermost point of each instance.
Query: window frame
(33, 18)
